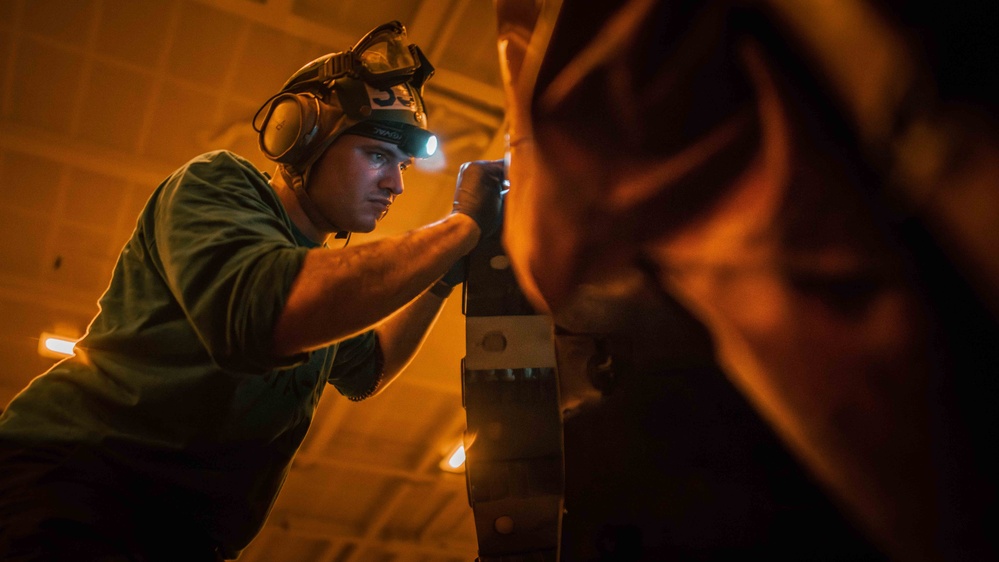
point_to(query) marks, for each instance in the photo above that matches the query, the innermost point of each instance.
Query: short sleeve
(224, 245)
(358, 367)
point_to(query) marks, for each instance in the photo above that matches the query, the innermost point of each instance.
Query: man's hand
(477, 193)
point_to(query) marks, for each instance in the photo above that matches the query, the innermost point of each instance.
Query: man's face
(356, 180)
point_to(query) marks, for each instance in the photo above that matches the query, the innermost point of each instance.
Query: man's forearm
(403, 333)
(340, 293)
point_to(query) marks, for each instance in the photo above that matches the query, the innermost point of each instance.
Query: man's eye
(377, 158)
(403, 166)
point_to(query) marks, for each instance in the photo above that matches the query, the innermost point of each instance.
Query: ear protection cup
(292, 127)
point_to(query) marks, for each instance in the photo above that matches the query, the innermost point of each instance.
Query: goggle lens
(387, 56)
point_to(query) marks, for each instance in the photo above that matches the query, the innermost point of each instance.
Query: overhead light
(455, 462)
(52, 345)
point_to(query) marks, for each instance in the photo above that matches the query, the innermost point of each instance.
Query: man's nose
(392, 180)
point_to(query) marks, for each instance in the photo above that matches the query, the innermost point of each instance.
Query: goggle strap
(341, 64)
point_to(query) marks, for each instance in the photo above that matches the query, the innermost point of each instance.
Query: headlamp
(416, 142)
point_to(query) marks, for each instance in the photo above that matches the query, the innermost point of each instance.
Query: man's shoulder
(219, 170)
(218, 178)
(223, 160)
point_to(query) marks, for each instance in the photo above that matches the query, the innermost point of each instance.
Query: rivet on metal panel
(504, 525)
(494, 341)
(499, 262)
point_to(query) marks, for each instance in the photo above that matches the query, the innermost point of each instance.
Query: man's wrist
(470, 226)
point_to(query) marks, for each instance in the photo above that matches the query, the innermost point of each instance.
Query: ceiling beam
(320, 529)
(114, 163)
(372, 535)
(278, 14)
(49, 295)
(308, 462)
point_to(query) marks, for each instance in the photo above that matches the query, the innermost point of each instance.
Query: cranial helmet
(373, 89)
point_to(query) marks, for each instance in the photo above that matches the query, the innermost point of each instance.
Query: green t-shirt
(175, 377)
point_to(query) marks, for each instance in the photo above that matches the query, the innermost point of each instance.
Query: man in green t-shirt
(169, 434)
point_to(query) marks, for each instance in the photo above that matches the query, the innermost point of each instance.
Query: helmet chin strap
(309, 207)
